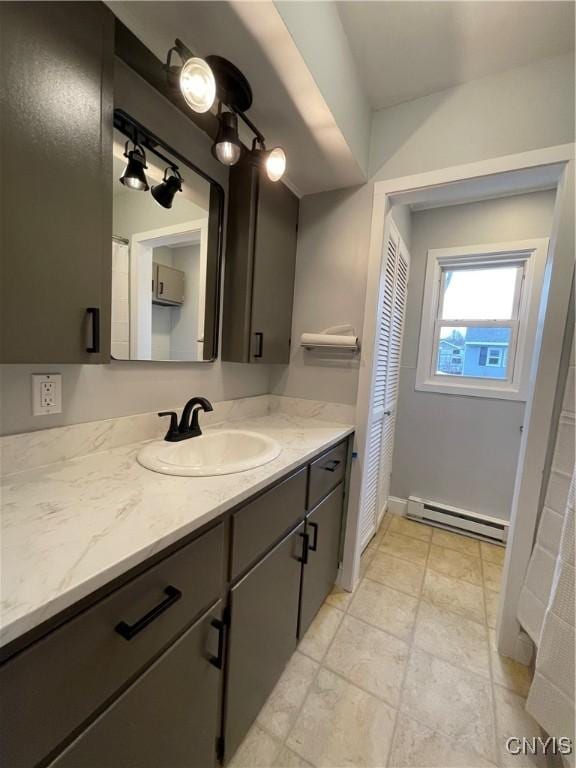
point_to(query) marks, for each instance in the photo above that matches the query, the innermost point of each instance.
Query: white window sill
(473, 389)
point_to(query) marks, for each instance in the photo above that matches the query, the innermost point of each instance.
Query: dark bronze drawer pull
(332, 466)
(305, 547)
(218, 661)
(128, 631)
(313, 547)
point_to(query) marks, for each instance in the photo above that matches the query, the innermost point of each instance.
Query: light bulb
(133, 175)
(227, 153)
(276, 164)
(197, 84)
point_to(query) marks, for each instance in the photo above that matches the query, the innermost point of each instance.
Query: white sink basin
(221, 452)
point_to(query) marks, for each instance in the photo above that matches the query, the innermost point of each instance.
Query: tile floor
(405, 671)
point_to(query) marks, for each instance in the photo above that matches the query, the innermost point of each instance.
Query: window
(479, 319)
(493, 356)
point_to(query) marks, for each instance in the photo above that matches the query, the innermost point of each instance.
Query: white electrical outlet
(46, 393)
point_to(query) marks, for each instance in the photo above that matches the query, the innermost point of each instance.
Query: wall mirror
(166, 251)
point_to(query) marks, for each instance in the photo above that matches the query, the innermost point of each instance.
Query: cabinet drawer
(258, 525)
(50, 689)
(326, 472)
(156, 722)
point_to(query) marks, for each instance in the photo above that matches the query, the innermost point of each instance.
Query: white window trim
(534, 254)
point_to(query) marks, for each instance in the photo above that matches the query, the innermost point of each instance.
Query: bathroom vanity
(170, 662)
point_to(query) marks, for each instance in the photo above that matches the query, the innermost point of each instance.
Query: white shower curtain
(551, 697)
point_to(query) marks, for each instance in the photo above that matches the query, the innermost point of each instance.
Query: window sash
(448, 267)
(512, 323)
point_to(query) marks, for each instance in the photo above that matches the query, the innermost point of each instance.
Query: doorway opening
(474, 394)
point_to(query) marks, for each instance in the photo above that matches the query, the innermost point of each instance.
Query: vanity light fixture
(194, 77)
(133, 175)
(201, 82)
(273, 161)
(227, 147)
(164, 192)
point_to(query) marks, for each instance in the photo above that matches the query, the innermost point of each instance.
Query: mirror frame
(132, 129)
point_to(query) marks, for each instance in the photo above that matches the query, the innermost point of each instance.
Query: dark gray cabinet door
(274, 268)
(169, 717)
(262, 635)
(56, 157)
(323, 526)
(260, 266)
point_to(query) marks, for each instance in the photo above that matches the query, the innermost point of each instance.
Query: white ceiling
(401, 50)
(404, 50)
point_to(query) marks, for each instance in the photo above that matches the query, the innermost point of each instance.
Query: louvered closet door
(386, 369)
(393, 374)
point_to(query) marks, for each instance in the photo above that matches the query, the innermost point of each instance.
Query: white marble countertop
(71, 527)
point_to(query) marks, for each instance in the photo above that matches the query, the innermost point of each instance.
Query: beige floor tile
(400, 574)
(416, 746)
(342, 725)
(281, 708)
(455, 564)
(414, 550)
(409, 528)
(492, 575)
(258, 750)
(456, 542)
(369, 657)
(339, 598)
(453, 595)
(508, 672)
(456, 703)
(513, 720)
(385, 608)
(365, 560)
(453, 638)
(289, 759)
(492, 553)
(492, 602)
(321, 632)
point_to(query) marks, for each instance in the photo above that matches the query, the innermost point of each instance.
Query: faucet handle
(173, 423)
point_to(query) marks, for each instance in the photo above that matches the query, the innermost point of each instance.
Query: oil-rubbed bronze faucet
(188, 426)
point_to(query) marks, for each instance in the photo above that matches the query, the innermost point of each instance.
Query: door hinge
(220, 748)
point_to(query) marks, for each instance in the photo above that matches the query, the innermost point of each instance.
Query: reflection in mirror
(165, 262)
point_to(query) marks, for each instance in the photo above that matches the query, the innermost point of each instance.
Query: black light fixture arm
(181, 49)
(245, 119)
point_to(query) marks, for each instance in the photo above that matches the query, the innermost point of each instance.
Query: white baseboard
(397, 506)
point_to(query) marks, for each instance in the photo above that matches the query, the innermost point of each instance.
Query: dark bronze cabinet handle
(128, 631)
(332, 466)
(94, 314)
(161, 288)
(260, 338)
(305, 547)
(314, 546)
(218, 661)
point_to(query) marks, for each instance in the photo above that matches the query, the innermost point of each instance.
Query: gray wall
(93, 392)
(331, 263)
(515, 111)
(453, 449)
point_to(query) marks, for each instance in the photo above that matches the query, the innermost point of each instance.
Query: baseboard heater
(458, 520)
